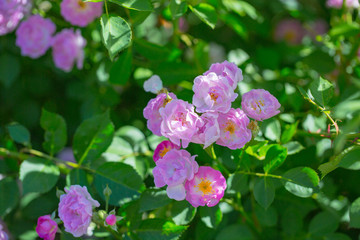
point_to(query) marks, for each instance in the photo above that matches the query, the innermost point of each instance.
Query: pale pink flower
(46, 227)
(76, 210)
(209, 132)
(173, 170)
(111, 220)
(179, 122)
(212, 93)
(152, 114)
(228, 70)
(80, 13)
(339, 3)
(259, 104)
(206, 188)
(163, 148)
(34, 36)
(234, 133)
(3, 234)
(290, 31)
(153, 84)
(11, 12)
(68, 48)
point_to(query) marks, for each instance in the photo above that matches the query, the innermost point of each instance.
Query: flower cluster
(184, 178)
(292, 31)
(75, 211)
(209, 119)
(338, 4)
(11, 12)
(35, 35)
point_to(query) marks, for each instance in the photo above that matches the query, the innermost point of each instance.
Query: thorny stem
(326, 135)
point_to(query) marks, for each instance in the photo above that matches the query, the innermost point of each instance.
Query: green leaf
(345, 29)
(135, 137)
(293, 147)
(92, 138)
(355, 214)
(303, 181)
(211, 216)
(271, 129)
(182, 212)
(9, 196)
(77, 177)
(173, 73)
(151, 51)
(337, 236)
(323, 223)
(266, 217)
(152, 199)
(38, 175)
(206, 13)
(322, 91)
(178, 8)
(140, 5)
(347, 107)
(55, 131)
(275, 157)
(349, 159)
(264, 192)
(289, 132)
(122, 179)
(235, 232)
(121, 70)
(116, 34)
(19, 133)
(236, 24)
(159, 229)
(237, 183)
(9, 69)
(242, 8)
(326, 65)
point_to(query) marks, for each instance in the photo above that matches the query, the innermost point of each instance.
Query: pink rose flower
(163, 148)
(228, 70)
(111, 220)
(152, 114)
(80, 13)
(234, 133)
(173, 170)
(34, 36)
(206, 188)
(212, 93)
(46, 227)
(259, 104)
(76, 209)
(153, 84)
(67, 48)
(3, 234)
(179, 122)
(339, 3)
(290, 31)
(209, 132)
(11, 12)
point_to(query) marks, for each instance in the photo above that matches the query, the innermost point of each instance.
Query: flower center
(205, 186)
(230, 127)
(164, 151)
(258, 105)
(181, 118)
(82, 5)
(290, 36)
(214, 96)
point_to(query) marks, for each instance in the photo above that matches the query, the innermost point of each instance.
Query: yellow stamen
(213, 96)
(164, 151)
(205, 186)
(230, 127)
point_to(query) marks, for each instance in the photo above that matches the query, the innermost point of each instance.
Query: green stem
(211, 152)
(264, 175)
(326, 135)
